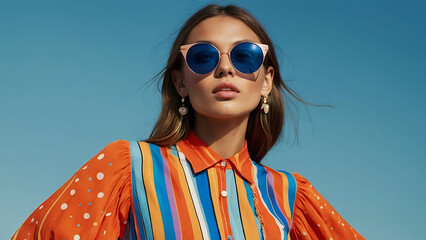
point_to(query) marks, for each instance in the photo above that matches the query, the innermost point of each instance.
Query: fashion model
(199, 175)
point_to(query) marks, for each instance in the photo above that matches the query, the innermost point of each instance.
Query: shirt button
(224, 193)
(229, 237)
(223, 164)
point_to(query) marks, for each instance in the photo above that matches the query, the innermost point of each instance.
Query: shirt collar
(201, 157)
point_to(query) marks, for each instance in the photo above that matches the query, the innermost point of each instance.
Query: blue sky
(73, 79)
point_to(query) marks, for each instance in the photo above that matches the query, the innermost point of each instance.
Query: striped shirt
(137, 190)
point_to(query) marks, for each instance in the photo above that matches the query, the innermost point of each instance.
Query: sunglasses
(202, 58)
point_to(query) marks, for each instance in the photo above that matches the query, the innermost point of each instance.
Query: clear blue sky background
(73, 77)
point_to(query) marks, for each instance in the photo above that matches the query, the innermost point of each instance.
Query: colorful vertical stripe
(216, 202)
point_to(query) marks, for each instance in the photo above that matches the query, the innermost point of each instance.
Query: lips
(225, 91)
(226, 87)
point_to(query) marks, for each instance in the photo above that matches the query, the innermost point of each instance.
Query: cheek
(190, 79)
(253, 95)
(198, 91)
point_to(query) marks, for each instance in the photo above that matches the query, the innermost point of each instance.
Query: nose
(224, 67)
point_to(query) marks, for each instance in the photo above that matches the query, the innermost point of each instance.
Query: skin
(222, 122)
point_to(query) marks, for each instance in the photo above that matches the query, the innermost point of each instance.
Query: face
(224, 92)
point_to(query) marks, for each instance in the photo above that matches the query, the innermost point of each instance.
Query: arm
(94, 202)
(315, 218)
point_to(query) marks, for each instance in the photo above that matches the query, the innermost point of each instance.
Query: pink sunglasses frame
(184, 50)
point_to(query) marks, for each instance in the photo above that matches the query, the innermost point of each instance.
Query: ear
(177, 78)
(268, 81)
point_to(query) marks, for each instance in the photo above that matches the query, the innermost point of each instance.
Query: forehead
(223, 31)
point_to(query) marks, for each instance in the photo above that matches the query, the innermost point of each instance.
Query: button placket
(222, 168)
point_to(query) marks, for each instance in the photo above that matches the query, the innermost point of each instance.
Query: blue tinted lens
(247, 57)
(202, 58)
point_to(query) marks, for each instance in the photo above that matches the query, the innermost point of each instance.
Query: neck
(225, 136)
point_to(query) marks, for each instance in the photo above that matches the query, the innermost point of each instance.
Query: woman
(199, 175)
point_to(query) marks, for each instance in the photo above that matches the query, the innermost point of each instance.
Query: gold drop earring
(183, 110)
(265, 105)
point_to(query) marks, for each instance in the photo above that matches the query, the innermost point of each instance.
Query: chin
(226, 114)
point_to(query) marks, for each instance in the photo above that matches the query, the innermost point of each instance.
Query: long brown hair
(263, 130)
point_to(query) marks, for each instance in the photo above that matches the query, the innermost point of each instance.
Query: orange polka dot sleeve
(314, 218)
(92, 204)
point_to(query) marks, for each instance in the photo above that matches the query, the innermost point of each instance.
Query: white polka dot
(332, 212)
(36, 222)
(321, 207)
(104, 232)
(64, 206)
(77, 237)
(40, 207)
(108, 214)
(319, 225)
(101, 156)
(84, 167)
(100, 176)
(95, 224)
(310, 185)
(343, 224)
(330, 238)
(86, 216)
(77, 179)
(32, 220)
(318, 197)
(72, 192)
(304, 233)
(100, 195)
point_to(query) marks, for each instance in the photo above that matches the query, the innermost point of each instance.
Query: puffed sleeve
(92, 204)
(314, 218)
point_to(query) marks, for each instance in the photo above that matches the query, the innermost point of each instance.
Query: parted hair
(263, 130)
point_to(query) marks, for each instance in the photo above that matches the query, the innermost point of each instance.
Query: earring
(183, 110)
(265, 105)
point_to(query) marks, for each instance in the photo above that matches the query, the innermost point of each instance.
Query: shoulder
(113, 155)
(143, 151)
(296, 178)
(301, 181)
(279, 181)
(148, 147)
(295, 185)
(262, 170)
(116, 148)
(123, 151)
